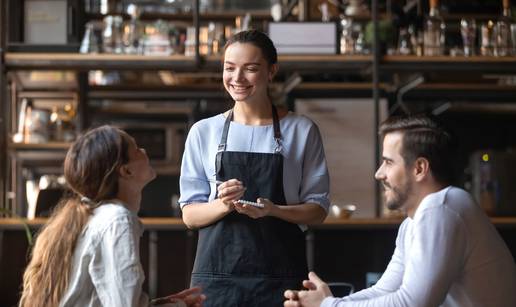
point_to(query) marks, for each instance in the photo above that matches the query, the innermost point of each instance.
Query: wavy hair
(91, 171)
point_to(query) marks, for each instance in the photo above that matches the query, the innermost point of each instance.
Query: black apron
(242, 261)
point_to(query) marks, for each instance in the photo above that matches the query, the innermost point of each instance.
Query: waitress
(247, 255)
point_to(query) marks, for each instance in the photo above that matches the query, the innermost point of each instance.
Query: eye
(229, 68)
(252, 69)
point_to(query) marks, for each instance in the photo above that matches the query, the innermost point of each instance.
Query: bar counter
(161, 223)
(339, 250)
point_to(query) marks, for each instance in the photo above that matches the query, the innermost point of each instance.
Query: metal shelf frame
(373, 65)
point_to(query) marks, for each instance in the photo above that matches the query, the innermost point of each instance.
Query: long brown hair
(91, 171)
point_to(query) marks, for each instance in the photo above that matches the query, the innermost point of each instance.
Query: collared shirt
(448, 255)
(106, 269)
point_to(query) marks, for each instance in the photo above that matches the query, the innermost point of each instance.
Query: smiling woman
(247, 72)
(252, 153)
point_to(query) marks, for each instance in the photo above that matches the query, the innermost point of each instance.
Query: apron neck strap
(275, 123)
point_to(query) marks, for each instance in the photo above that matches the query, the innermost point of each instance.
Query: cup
(342, 212)
(468, 31)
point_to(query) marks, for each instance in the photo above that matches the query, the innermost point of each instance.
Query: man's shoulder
(449, 205)
(448, 196)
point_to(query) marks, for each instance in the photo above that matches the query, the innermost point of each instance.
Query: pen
(215, 181)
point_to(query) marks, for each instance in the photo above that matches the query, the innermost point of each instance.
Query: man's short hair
(424, 136)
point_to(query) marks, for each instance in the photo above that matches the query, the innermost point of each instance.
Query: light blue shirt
(305, 174)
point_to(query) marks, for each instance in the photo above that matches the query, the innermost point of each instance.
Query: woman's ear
(124, 171)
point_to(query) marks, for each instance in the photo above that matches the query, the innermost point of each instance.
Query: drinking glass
(468, 31)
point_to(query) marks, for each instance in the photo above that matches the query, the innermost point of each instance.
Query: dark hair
(258, 39)
(91, 164)
(424, 136)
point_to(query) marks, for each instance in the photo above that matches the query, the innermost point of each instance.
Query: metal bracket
(412, 82)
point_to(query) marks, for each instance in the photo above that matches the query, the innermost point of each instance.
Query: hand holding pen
(230, 191)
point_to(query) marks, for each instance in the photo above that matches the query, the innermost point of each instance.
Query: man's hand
(313, 297)
(191, 297)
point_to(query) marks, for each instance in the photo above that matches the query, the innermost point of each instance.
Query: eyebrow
(387, 159)
(246, 64)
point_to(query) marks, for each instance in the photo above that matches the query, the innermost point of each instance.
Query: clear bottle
(112, 34)
(434, 32)
(90, 42)
(503, 43)
(133, 31)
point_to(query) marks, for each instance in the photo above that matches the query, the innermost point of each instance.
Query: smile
(240, 87)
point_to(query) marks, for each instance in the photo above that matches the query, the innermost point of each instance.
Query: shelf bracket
(412, 82)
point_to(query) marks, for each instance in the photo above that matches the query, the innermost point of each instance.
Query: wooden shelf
(447, 59)
(188, 17)
(77, 61)
(448, 63)
(330, 62)
(162, 223)
(42, 146)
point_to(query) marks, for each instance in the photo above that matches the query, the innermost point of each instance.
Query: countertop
(160, 223)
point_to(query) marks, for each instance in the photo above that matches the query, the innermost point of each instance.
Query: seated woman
(88, 252)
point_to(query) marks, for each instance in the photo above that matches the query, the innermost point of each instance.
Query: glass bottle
(112, 34)
(434, 32)
(503, 42)
(405, 46)
(133, 32)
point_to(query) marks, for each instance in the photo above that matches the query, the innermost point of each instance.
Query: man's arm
(434, 261)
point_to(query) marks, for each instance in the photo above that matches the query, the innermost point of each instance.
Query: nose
(379, 175)
(239, 74)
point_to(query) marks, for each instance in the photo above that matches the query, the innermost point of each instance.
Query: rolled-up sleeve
(193, 184)
(315, 182)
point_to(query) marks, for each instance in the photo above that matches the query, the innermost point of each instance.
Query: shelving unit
(330, 223)
(448, 63)
(368, 236)
(77, 61)
(374, 65)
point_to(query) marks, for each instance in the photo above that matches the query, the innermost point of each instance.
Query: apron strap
(223, 142)
(224, 137)
(277, 131)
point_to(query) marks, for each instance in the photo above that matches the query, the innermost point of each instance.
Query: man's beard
(399, 195)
